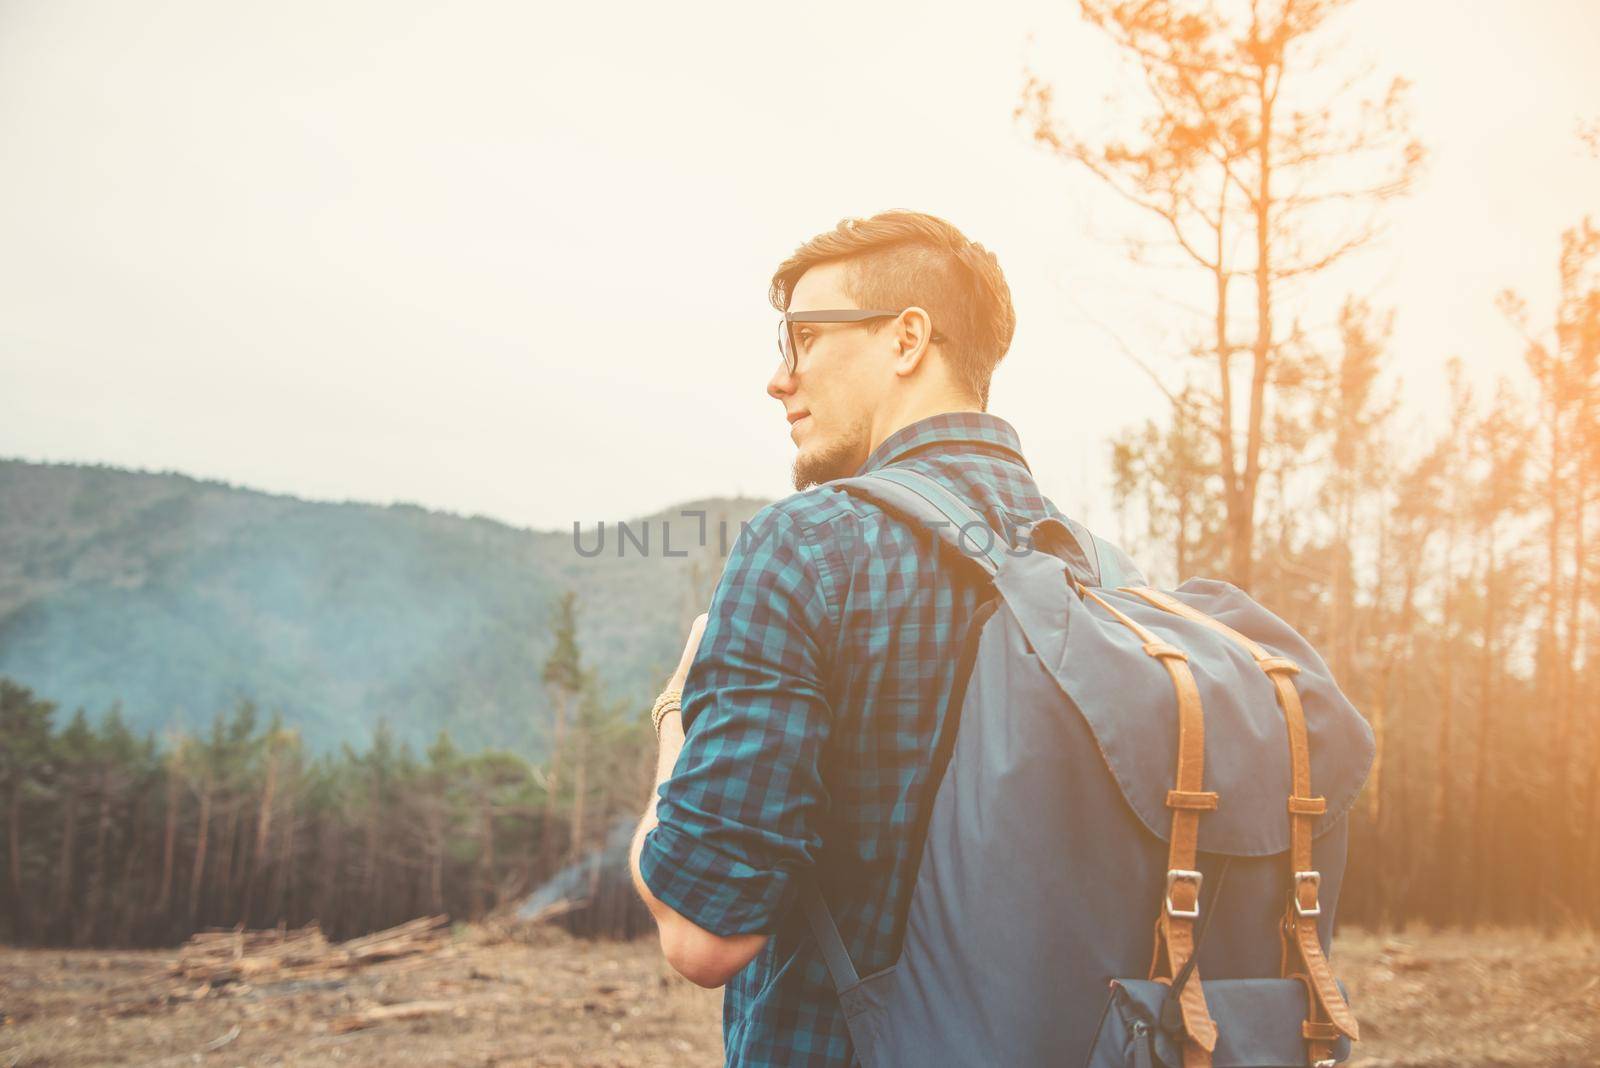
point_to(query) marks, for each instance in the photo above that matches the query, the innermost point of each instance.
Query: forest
(113, 838)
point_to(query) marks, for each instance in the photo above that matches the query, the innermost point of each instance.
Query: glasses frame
(786, 345)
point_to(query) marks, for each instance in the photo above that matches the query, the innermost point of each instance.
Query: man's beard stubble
(837, 459)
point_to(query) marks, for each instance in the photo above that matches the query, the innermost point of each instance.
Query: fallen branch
(223, 1041)
(410, 1010)
(214, 958)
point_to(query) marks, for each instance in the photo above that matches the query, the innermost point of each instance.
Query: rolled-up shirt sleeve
(742, 811)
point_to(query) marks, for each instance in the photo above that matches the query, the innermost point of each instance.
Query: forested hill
(180, 597)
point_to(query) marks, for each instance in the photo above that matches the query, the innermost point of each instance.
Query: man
(814, 688)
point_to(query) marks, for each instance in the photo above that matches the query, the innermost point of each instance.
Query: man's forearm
(700, 956)
(669, 740)
(666, 759)
(697, 954)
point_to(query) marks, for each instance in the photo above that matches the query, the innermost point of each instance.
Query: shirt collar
(947, 429)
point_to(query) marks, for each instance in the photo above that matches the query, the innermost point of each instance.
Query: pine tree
(564, 681)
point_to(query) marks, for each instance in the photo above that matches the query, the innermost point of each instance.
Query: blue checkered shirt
(811, 712)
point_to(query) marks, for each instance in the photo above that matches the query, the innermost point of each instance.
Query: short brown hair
(901, 258)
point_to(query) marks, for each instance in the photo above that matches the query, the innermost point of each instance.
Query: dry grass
(552, 1001)
(1504, 997)
(1496, 998)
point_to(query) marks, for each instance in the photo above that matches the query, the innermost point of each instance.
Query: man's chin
(820, 464)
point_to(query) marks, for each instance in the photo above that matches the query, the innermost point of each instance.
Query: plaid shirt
(811, 712)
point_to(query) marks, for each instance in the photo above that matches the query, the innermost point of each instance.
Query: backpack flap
(1101, 666)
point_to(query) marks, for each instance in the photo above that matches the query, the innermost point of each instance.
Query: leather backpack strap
(1175, 943)
(1328, 1015)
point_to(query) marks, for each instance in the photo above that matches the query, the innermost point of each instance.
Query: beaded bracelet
(669, 701)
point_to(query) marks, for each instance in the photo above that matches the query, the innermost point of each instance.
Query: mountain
(179, 597)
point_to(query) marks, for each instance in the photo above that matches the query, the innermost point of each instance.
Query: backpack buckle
(1315, 879)
(1173, 876)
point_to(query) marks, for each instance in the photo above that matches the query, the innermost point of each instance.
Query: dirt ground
(1501, 998)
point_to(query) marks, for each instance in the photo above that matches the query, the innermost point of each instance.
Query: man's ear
(910, 332)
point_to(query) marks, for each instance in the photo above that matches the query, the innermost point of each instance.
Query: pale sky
(511, 259)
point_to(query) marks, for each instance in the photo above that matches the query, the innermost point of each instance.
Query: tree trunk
(1232, 493)
(197, 874)
(62, 906)
(1243, 523)
(258, 856)
(547, 850)
(580, 776)
(93, 918)
(1445, 851)
(230, 858)
(1482, 871)
(1577, 825)
(169, 844)
(486, 856)
(129, 908)
(372, 893)
(19, 899)
(1549, 834)
(436, 846)
(283, 886)
(1405, 784)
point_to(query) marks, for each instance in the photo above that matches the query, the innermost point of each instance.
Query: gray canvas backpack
(1122, 773)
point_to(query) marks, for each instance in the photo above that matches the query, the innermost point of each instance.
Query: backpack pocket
(1258, 1026)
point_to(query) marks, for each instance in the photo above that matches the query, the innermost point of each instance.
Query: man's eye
(804, 336)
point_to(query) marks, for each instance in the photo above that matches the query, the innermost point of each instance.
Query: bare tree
(1249, 182)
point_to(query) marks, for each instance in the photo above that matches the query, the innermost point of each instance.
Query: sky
(511, 259)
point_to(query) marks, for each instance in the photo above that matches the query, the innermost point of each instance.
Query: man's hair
(900, 258)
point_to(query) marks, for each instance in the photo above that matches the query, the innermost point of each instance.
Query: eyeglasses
(786, 345)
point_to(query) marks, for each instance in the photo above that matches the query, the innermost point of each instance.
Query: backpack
(1124, 862)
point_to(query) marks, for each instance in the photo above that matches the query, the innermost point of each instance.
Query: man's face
(842, 373)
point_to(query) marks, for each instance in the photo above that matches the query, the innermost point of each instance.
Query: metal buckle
(1173, 875)
(1315, 879)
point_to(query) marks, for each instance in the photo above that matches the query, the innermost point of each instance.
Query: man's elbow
(700, 968)
(703, 958)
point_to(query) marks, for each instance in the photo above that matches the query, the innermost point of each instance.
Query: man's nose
(782, 383)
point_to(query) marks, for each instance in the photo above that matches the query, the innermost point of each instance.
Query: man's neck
(888, 423)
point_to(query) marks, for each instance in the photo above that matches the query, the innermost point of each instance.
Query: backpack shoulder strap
(919, 498)
(834, 954)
